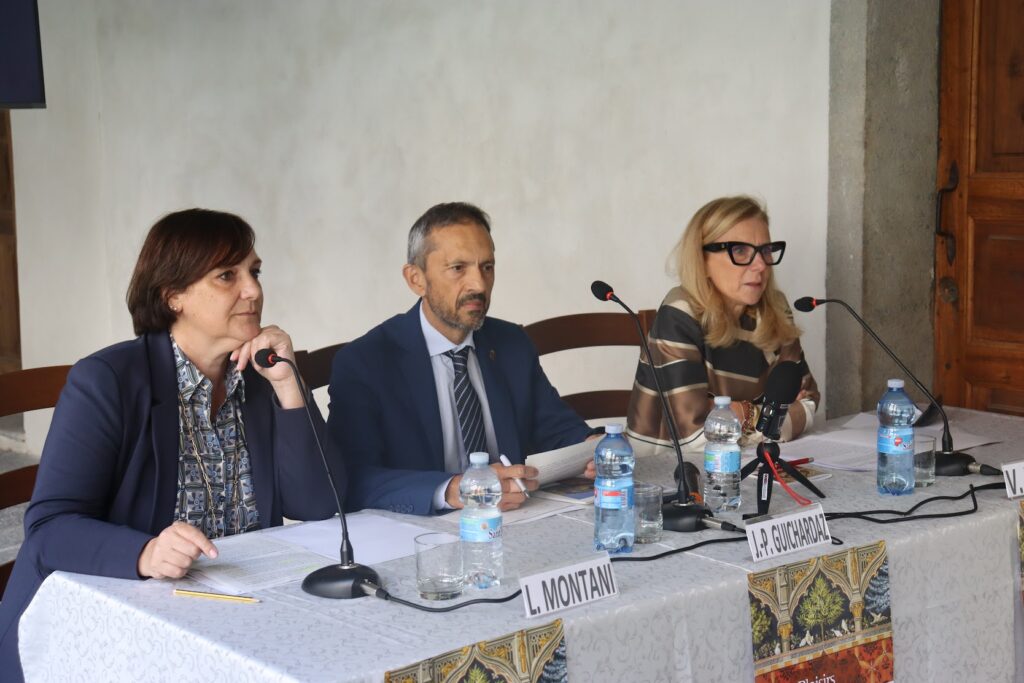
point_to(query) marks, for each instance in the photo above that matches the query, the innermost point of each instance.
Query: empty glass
(647, 507)
(438, 566)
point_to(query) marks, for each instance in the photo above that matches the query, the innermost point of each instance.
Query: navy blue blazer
(385, 418)
(108, 475)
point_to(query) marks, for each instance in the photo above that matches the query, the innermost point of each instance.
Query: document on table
(562, 463)
(831, 454)
(253, 561)
(866, 425)
(375, 538)
(532, 510)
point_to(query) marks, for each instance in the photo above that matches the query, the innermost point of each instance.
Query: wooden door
(979, 264)
(10, 331)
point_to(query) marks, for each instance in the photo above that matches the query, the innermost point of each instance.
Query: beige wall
(590, 130)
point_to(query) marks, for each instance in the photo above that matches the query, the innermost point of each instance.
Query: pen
(213, 596)
(800, 461)
(519, 482)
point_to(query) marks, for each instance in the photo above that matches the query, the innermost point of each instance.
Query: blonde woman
(721, 330)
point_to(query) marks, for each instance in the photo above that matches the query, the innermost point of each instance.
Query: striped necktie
(467, 403)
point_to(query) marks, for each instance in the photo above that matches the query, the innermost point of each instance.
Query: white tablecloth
(955, 590)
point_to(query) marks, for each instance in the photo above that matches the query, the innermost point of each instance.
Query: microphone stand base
(958, 464)
(952, 464)
(339, 581)
(683, 517)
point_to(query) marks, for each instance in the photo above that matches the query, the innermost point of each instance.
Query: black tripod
(766, 475)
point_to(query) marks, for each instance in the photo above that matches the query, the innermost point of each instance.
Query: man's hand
(511, 496)
(169, 555)
(591, 471)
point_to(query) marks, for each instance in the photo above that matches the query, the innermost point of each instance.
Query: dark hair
(440, 216)
(179, 249)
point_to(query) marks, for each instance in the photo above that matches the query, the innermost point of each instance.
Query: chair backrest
(585, 330)
(315, 366)
(21, 392)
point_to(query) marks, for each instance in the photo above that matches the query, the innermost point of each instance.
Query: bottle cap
(722, 401)
(613, 428)
(479, 458)
(895, 384)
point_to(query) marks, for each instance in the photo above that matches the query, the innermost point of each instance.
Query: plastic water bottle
(722, 431)
(614, 526)
(480, 523)
(895, 441)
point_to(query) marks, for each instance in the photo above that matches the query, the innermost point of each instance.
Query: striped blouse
(692, 372)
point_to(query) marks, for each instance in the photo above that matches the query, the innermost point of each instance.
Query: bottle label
(480, 529)
(896, 440)
(618, 496)
(722, 458)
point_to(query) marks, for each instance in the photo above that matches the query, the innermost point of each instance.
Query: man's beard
(450, 316)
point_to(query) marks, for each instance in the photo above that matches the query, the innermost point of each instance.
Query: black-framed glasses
(743, 253)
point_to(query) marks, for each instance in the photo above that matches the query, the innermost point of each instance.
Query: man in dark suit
(415, 395)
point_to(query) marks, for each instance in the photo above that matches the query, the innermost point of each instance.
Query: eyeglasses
(743, 253)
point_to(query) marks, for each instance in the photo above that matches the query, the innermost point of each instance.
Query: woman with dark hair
(162, 443)
(721, 330)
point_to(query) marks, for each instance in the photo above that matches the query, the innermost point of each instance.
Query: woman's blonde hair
(774, 325)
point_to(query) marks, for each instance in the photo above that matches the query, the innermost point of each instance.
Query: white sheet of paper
(838, 455)
(251, 562)
(374, 538)
(534, 509)
(562, 463)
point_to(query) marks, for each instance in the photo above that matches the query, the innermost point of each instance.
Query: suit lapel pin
(490, 354)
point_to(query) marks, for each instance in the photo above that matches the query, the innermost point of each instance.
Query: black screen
(21, 55)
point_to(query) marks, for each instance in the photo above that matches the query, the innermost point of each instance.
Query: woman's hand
(169, 555)
(280, 376)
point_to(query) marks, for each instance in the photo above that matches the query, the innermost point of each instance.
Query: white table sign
(571, 586)
(1013, 477)
(787, 532)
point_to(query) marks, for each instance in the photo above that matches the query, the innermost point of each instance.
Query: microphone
(780, 389)
(682, 513)
(948, 462)
(347, 578)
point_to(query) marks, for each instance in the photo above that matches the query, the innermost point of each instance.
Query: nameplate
(571, 586)
(1013, 477)
(787, 532)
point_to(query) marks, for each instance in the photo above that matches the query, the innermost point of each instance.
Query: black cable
(377, 591)
(902, 516)
(908, 515)
(674, 551)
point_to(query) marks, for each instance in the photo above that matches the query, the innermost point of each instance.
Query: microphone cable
(908, 515)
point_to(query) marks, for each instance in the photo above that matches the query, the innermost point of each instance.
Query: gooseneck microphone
(682, 513)
(347, 578)
(948, 462)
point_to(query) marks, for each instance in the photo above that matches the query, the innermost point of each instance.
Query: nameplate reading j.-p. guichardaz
(787, 532)
(1013, 477)
(570, 586)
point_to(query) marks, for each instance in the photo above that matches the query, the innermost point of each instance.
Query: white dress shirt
(444, 376)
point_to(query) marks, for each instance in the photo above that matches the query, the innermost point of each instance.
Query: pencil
(213, 596)
(800, 461)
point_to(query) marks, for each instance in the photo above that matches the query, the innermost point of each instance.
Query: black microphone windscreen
(602, 290)
(783, 383)
(265, 358)
(805, 304)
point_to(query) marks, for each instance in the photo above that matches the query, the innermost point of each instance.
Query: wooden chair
(584, 330)
(315, 366)
(21, 392)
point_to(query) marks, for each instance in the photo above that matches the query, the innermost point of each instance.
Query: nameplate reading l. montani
(571, 586)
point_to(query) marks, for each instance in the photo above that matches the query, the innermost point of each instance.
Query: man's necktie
(467, 403)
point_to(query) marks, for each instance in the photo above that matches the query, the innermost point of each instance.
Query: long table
(955, 591)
